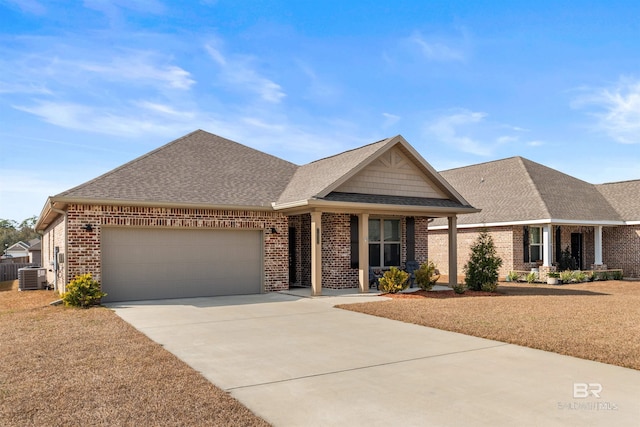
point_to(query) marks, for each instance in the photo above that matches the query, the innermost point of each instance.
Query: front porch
(333, 251)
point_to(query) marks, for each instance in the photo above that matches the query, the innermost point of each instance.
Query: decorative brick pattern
(84, 254)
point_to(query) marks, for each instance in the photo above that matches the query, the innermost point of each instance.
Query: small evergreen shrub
(617, 275)
(83, 291)
(394, 280)
(459, 288)
(532, 277)
(427, 275)
(483, 264)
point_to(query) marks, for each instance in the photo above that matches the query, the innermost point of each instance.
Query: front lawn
(597, 321)
(64, 366)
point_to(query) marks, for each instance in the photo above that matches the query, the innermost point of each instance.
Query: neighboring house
(17, 253)
(35, 252)
(534, 212)
(204, 216)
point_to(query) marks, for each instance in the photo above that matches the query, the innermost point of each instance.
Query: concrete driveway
(300, 362)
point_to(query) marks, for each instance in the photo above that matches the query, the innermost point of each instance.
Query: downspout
(66, 226)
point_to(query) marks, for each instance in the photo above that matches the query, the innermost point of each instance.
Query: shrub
(490, 287)
(579, 276)
(83, 291)
(603, 275)
(553, 274)
(617, 275)
(394, 280)
(532, 277)
(513, 276)
(483, 264)
(566, 276)
(427, 275)
(567, 262)
(459, 288)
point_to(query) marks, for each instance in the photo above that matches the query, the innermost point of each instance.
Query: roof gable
(393, 173)
(200, 169)
(348, 172)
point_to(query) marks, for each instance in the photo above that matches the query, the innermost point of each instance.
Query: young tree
(481, 272)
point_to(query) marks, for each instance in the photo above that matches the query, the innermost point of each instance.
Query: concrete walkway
(298, 361)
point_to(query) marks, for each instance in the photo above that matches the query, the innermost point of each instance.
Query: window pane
(374, 255)
(374, 230)
(535, 253)
(534, 235)
(392, 230)
(392, 255)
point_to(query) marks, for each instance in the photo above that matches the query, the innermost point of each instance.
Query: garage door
(142, 264)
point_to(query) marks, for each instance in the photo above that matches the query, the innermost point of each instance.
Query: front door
(576, 248)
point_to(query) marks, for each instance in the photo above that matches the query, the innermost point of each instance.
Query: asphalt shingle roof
(199, 168)
(311, 179)
(624, 197)
(207, 170)
(518, 189)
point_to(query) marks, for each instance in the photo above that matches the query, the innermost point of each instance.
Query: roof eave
(377, 208)
(590, 223)
(48, 214)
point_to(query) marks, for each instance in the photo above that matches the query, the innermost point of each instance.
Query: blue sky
(88, 85)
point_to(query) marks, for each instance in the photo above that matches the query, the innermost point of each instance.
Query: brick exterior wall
(54, 236)
(84, 253)
(618, 247)
(621, 249)
(507, 240)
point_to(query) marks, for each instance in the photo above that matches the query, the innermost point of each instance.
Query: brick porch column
(316, 253)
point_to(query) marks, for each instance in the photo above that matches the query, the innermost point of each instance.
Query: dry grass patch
(64, 366)
(597, 321)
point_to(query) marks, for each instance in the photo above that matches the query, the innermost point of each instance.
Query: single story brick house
(534, 212)
(206, 216)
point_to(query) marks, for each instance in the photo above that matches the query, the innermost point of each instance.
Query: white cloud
(535, 143)
(140, 67)
(28, 6)
(101, 120)
(617, 109)
(436, 50)
(238, 71)
(25, 88)
(389, 120)
(450, 130)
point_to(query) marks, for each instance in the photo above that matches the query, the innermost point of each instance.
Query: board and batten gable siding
(84, 248)
(392, 174)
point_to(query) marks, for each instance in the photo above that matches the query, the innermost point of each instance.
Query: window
(535, 244)
(384, 242)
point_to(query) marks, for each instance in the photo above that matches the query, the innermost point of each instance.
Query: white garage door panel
(155, 264)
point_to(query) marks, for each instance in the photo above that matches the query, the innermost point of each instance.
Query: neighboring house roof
(518, 190)
(18, 246)
(36, 246)
(205, 170)
(624, 197)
